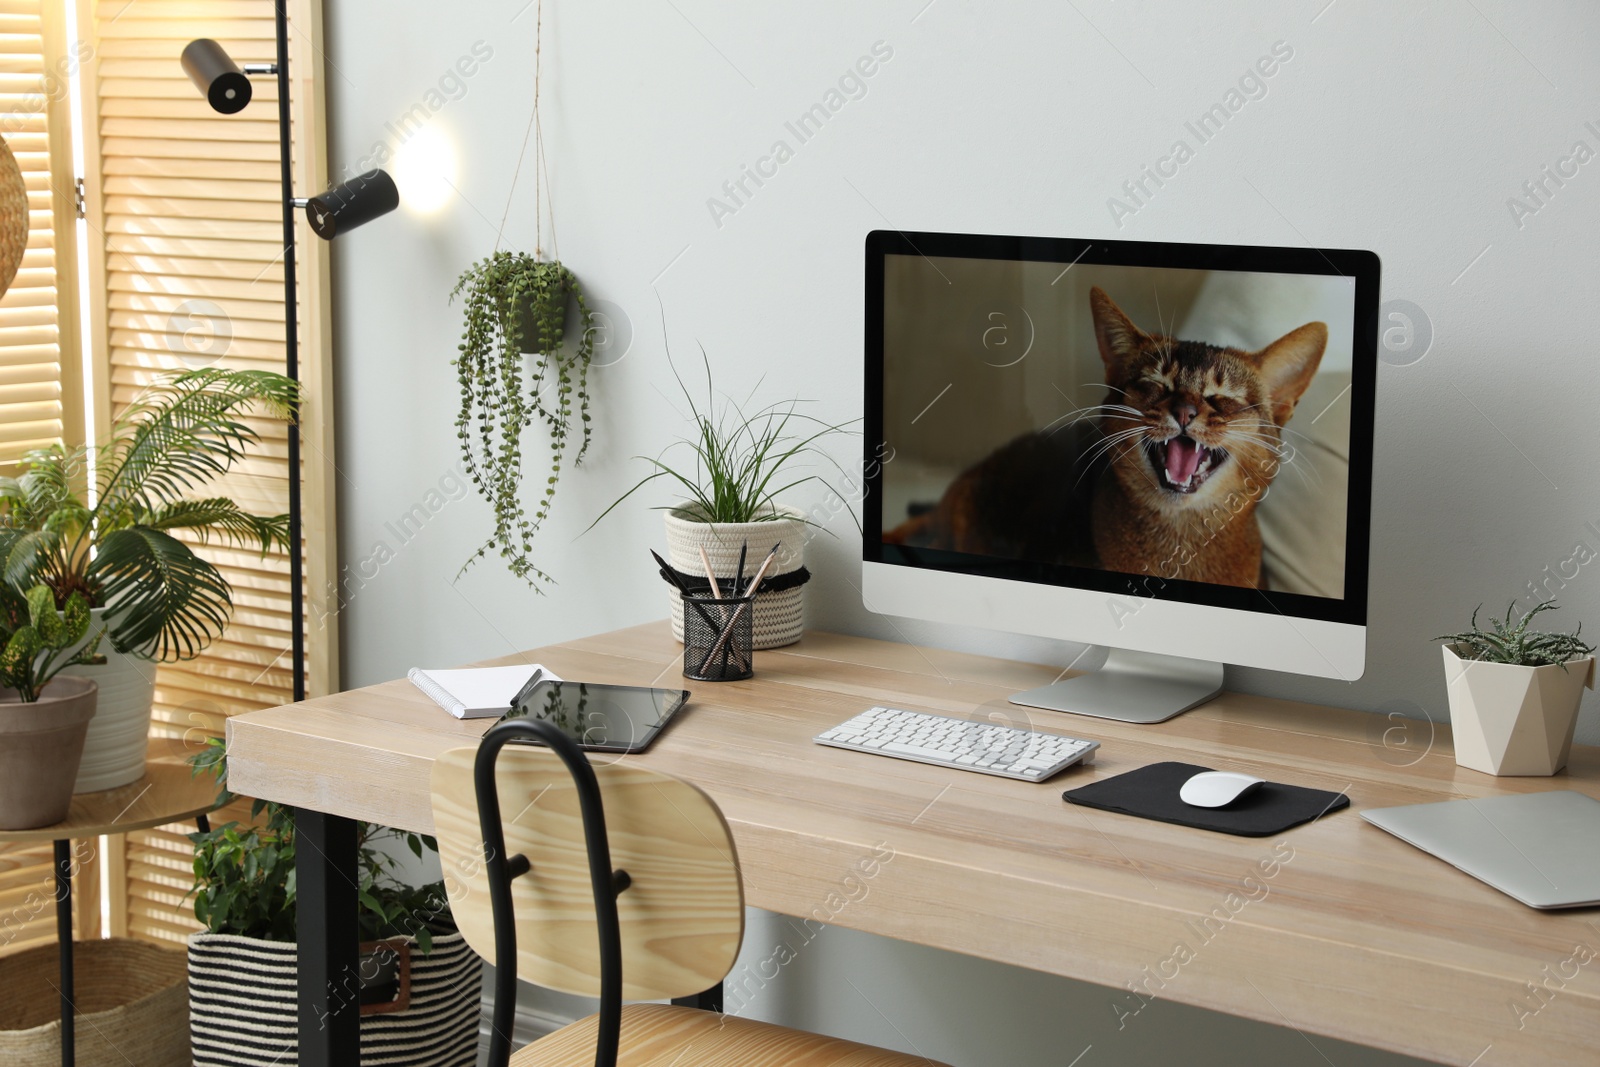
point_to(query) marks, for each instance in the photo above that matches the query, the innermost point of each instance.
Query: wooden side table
(167, 793)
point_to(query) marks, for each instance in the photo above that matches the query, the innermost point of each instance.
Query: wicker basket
(779, 617)
(132, 997)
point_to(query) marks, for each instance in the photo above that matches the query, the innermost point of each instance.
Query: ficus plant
(244, 881)
(40, 640)
(1512, 640)
(516, 308)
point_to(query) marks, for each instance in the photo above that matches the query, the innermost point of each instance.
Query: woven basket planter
(131, 998)
(242, 1006)
(779, 616)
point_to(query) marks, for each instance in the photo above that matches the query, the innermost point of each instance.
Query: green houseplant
(155, 596)
(516, 304)
(729, 476)
(43, 717)
(1515, 692)
(245, 896)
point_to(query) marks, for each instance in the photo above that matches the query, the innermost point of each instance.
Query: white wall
(1399, 128)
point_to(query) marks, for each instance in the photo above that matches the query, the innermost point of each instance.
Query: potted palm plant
(418, 983)
(43, 715)
(735, 468)
(155, 597)
(1515, 692)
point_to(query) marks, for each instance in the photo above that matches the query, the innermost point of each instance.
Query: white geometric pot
(1514, 720)
(778, 618)
(119, 734)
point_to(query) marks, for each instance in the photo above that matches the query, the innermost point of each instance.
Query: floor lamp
(327, 952)
(361, 199)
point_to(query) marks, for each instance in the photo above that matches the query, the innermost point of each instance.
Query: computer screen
(1157, 422)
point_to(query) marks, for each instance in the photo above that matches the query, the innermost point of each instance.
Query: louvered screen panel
(31, 409)
(185, 205)
(40, 399)
(27, 897)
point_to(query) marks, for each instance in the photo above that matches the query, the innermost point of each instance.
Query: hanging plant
(516, 303)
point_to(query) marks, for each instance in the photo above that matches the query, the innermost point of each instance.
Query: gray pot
(40, 746)
(524, 313)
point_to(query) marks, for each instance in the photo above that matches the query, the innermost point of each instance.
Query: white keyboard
(964, 744)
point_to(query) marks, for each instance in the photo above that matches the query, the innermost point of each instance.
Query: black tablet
(599, 717)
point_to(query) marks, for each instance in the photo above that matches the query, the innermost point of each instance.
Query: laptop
(1541, 848)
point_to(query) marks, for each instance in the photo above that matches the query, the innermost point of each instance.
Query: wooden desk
(1354, 934)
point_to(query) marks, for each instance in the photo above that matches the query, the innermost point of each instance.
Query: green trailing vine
(516, 303)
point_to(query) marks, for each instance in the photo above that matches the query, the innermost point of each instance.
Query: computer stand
(1140, 687)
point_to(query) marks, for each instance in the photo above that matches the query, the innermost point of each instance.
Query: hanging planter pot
(119, 734)
(513, 373)
(40, 745)
(778, 615)
(417, 1010)
(538, 318)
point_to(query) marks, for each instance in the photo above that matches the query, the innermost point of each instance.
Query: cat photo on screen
(1163, 478)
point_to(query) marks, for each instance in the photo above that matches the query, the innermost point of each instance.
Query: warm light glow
(425, 170)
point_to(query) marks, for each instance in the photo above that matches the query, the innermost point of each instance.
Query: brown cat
(1189, 440)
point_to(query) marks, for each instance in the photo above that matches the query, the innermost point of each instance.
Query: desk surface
(1353, 933)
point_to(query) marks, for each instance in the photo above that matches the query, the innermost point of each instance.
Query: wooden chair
(612, 882)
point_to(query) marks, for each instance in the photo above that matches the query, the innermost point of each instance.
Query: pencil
(755, 584)
(672, 576)
(711, 575)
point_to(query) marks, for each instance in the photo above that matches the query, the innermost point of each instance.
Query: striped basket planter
(242, 1006)
(779, 616)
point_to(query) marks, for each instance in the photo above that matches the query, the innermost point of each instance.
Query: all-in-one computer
(1164, 449)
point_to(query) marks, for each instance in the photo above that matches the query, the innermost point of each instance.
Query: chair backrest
(681, 915)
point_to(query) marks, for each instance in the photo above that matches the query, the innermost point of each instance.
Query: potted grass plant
(728, 477)
(1515, 692)
(156, 598)
(43, 714)
(418, 982)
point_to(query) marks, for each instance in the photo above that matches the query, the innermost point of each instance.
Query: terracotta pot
(1514, 720)
(40, 746)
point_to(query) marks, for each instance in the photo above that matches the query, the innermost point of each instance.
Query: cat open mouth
(1183, 464)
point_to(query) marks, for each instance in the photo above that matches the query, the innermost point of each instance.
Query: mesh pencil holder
(718, 638)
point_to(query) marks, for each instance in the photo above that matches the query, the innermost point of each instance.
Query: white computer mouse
(1218, 789)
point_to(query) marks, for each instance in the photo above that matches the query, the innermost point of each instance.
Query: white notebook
(475, 692)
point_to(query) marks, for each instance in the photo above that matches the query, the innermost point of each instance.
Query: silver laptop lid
(1542, 848)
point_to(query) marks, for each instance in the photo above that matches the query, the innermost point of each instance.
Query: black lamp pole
(360, 200)
(291, 359)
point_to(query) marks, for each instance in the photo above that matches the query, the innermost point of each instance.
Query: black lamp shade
(217, 75)
(357, 201)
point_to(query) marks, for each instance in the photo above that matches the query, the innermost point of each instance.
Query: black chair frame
(501, 870)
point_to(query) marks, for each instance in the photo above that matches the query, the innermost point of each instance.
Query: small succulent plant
(1509, 640)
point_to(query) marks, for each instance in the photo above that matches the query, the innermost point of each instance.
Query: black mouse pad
(1152, 793)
